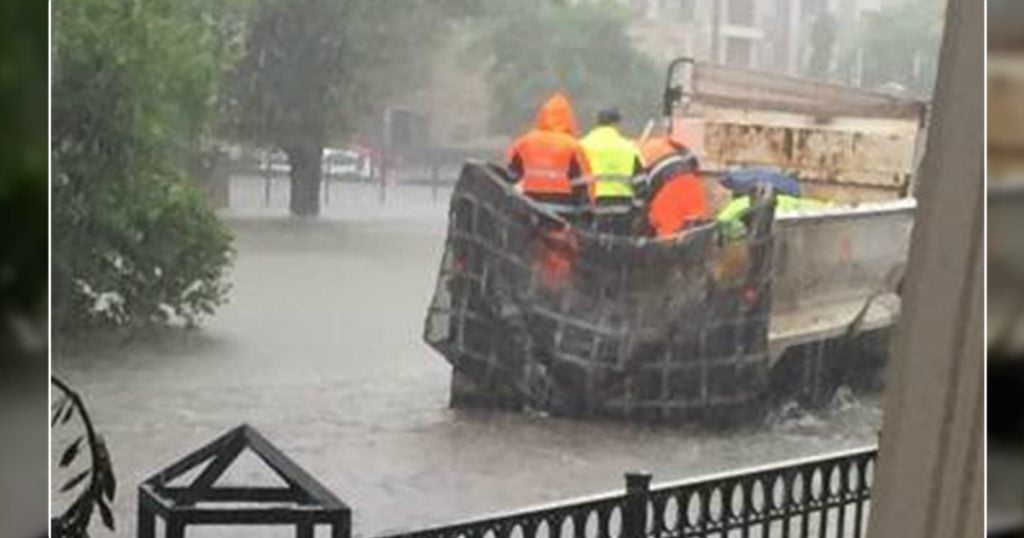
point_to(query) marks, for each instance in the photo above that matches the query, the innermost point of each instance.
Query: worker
(547, 164)
(743, 184)
(677, 197)
(615, 165)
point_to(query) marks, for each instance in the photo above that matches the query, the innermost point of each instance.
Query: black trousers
(614, 216)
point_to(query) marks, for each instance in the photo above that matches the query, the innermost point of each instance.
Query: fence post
(267, 184)
(634, 516)
(382, 196)
(175, 528)
(145, 521)
(435, 181)
(341, 528)
(325, 182)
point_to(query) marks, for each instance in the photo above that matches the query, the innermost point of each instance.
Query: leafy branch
(100, 484)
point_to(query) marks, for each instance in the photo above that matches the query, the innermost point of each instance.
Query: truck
(536, 311)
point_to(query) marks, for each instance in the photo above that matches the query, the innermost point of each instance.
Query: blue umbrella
(745, 180)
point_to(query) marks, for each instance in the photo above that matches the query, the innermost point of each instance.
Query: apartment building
(755, 34)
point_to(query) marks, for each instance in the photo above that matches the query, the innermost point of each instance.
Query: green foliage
(387, 51)
(279, 90)
(583, 49)
(23, 247)
(95, 486)
(892, 38)
(134, 84)
(324, 68)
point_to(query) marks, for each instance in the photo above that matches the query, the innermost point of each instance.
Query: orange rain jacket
(548, 159)
(678, 195)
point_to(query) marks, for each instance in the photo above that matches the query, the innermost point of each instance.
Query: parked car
(346, 165)
(274, 160)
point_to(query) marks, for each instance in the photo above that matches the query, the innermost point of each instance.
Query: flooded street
(588, 269)
(320, 349)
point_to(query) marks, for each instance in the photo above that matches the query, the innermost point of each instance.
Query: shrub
(133, 241)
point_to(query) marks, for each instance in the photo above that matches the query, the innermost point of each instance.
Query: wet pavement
(320, 349)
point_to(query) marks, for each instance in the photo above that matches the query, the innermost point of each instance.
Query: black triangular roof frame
(219, 454)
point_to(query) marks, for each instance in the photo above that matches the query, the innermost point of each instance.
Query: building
(450, 109)
(755, 34)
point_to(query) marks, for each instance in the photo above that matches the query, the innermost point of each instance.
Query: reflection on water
(321, 350)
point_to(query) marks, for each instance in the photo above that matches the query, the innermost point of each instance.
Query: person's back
(547, 162)
(615, 165)
(678, 197)
(614, 159)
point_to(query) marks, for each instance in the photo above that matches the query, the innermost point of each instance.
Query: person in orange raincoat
(677, 196)
(547, 163)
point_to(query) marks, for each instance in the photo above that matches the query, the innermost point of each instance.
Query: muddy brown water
(320, 349)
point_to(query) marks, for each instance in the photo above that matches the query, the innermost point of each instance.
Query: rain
(264, 242)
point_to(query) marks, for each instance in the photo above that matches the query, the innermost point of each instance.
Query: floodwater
(320, 349)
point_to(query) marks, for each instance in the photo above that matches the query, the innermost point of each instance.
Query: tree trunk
(305, 162)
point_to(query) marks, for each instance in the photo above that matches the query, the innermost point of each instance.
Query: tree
(134, 85)
(900, 44)
(23, 248)
(286, 78)
(583, 49)
(318, 68)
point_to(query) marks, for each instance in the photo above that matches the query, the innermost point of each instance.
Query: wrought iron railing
(815, 497)
(825, 496)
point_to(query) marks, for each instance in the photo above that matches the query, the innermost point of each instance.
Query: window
(740, 12)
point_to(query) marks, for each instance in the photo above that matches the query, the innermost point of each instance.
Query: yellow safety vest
(611, 157)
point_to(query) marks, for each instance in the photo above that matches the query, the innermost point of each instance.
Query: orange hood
(654, 148)
(556, 115)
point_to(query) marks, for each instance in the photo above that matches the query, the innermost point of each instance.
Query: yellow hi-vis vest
(611, 157)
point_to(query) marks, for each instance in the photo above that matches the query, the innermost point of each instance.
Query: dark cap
(609, 116)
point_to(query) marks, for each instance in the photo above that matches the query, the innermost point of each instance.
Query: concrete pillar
(930, 477)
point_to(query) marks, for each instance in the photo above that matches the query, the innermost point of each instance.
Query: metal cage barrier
(814, 497)
(539, 310)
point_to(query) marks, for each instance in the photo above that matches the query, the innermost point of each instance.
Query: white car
(273, 161)
(345, 164)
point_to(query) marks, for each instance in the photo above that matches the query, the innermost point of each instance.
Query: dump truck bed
(533, 310)
(831, 265)
(844, 144)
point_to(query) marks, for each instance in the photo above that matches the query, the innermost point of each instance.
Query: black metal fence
(818, 497)
(823, 497)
